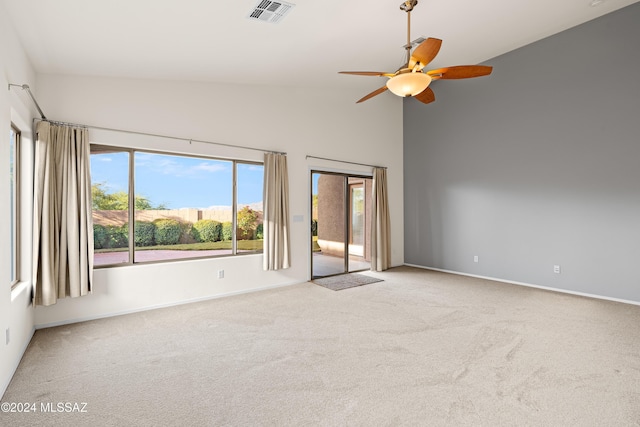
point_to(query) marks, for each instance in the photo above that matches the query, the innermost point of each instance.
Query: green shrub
(314, 227)
(144, 233)
(227, 231)
(193, 234)
(167, 231)
(207, 230)
(116, 236)
(99, 236)
(260, 231)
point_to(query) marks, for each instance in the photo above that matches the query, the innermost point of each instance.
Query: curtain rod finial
(23, 86)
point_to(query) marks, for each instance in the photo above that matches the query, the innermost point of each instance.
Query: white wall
(16, 313)
(299, 121)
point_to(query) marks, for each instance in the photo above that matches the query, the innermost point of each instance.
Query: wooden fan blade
(425, 52)
(363, 73)
(372, 94)
(461, 72)
(426, 96)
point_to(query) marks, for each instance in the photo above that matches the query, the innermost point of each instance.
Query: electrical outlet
(220, 274)
(475, 258)
(8, 336)
(556, 269)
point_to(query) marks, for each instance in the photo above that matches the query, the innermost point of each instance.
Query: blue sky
(314, 183)
(179, 182)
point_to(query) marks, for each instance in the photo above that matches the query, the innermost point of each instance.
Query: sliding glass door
(340, 205)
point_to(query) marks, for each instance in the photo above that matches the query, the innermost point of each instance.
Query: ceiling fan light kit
(410, 79)
(408, 84)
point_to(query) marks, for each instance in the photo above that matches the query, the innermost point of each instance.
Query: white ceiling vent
(270, 11)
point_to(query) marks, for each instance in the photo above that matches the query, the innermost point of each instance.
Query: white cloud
(209, 167)
(178, 166)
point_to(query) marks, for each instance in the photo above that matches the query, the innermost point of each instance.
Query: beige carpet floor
(419, 348)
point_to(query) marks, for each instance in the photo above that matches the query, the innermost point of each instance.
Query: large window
(14, 212)
(150, 207)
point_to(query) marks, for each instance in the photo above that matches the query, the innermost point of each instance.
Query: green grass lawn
(243, 245)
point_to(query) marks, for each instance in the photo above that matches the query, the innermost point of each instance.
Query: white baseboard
(153, 307)
(529, 285)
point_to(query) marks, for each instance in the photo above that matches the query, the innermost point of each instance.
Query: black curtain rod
(189, 140)
(344, 161)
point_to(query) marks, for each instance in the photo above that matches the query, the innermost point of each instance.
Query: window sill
(176, 260)
(19, 289)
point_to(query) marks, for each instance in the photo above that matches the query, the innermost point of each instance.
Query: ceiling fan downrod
(408, 6)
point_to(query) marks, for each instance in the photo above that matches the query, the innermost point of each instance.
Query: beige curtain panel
(381, 224)
(63, 228)
(276, 213)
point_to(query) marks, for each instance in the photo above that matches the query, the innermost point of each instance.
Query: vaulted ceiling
(212, 40)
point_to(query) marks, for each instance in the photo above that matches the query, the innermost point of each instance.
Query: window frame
(132, 211)
(15, 138)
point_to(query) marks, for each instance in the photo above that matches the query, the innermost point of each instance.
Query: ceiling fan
(411, 79)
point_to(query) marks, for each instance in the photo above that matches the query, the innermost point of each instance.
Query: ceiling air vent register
(270, 11)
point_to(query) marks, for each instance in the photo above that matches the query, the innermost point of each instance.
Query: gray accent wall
(534, 166)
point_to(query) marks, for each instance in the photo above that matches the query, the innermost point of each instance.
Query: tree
(247, 222)
(100, 200)
(118, 201)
